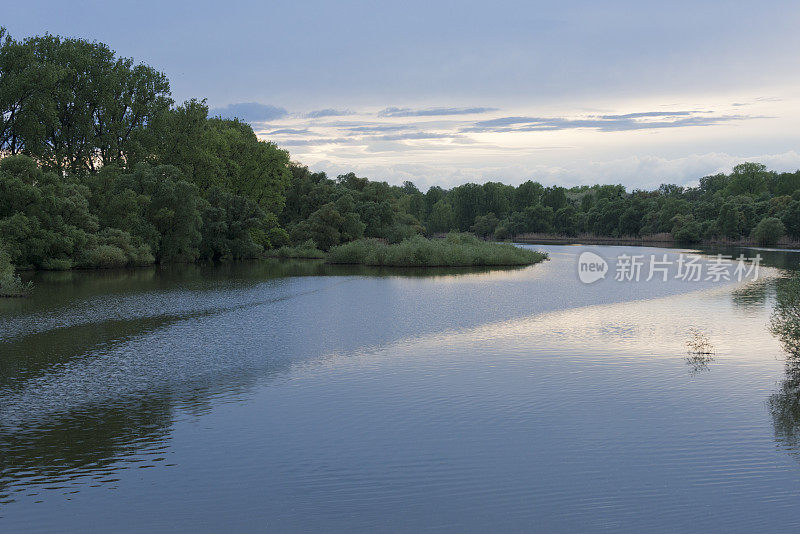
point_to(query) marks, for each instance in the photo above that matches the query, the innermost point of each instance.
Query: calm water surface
(298, 396)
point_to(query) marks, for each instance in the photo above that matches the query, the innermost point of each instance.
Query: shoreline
(650, 241)
(525, 239)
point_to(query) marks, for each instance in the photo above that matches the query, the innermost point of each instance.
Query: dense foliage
(99, 168)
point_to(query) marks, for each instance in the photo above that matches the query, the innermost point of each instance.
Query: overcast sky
(442, 93)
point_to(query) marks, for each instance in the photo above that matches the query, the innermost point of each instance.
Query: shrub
(278, 237)
(769, 231)
(10, 283)
(689, 233)
(106, 257)
(501, 233)
(114, 248)
(57, 264)
(306, 250)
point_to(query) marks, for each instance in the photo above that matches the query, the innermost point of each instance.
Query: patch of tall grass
(456, 250)
(307, 250)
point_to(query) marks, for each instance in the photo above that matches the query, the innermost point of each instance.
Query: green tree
(441, 218)
(685, 230)
(527, 194)
(538, 218)
(497, 198)
(467, 201)
(332, 224)
(748, 179)
(229, 223)
(517, 224)
(554, 198)
(378, 217)
(308, 191)
(769, 231)
(485, 225)
(737, 216)
(154, 204)
(565, 221)
(224, 153)
(785, 183)
(791, 219)
(606, 215)
(72, 105)
(630, 222)
(44, 218)
(709, 185)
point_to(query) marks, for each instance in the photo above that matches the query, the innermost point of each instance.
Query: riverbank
(656, 240)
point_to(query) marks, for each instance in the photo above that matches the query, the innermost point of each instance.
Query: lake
(296, 396)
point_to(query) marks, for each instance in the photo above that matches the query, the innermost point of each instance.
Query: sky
(442, 93)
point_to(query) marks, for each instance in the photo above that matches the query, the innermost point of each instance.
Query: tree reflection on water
(698, 363)
(785, 321)
(784, 404)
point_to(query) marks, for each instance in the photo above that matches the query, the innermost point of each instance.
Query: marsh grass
(307, 251)
(455, 250)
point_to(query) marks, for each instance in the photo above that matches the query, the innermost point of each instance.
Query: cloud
(431, 112)
(328, 112)
(377, 128)
(758, 100)
(250, 112)
(361, 140)
(506, 121)
(290, 131)
(314, 142)
(645, 114)
(416, 135)
(605, 123)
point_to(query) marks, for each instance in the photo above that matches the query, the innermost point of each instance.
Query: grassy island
(456, 250)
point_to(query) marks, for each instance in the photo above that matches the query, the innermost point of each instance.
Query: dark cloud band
(250, 112)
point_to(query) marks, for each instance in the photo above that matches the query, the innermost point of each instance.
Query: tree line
(101, 168)
(750, 202)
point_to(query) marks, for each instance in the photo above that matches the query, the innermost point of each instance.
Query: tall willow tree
(73, 106)
(215, 152)
(99, 170)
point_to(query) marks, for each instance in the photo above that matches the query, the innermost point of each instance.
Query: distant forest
(101, 168)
